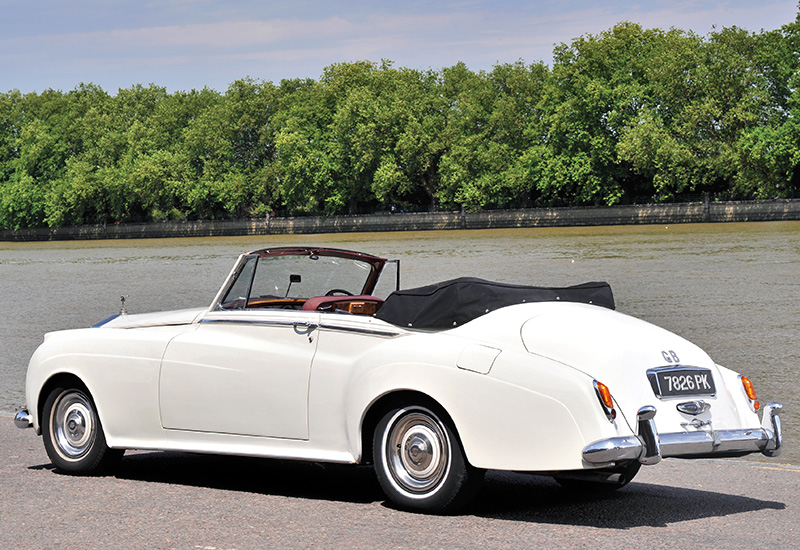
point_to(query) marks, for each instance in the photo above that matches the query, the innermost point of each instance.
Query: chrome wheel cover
(417, 451)
(74, 425)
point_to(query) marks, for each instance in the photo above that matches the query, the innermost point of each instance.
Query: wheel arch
(392, 400)
(82, 448)
(58, 380)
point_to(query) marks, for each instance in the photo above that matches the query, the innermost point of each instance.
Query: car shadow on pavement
(504, 495)
(537, 499)
(337, 482)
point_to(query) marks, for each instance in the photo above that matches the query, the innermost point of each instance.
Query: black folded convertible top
(452, 303)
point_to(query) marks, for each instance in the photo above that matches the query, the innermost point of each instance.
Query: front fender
(120, 369)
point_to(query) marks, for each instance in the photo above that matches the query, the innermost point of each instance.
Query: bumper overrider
(649, 447)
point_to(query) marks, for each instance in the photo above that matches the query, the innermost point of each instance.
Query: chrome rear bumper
(23, 419)
(649, 447)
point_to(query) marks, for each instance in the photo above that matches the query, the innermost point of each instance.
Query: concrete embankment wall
(776, 210)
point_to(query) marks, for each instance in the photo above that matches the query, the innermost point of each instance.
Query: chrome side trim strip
(306, 325)
(359, 330)
(261, 322)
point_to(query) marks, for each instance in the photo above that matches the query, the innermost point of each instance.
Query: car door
(241, 372)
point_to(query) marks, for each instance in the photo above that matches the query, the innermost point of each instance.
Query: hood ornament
(122, 310)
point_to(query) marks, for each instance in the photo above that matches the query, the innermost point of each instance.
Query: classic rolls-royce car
(296, 358)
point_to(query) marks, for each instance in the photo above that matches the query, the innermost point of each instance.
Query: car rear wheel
(420, 463)
(73, 436)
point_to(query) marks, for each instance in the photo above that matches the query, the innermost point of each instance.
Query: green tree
(765, 153)
(305, 167)
(660, 144)
(627, 114)
(496, 121)
(599, 87)
(414, 113)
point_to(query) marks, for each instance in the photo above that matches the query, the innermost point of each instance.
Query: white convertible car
(295, 358)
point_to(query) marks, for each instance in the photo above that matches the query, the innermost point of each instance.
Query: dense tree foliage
(628, 115)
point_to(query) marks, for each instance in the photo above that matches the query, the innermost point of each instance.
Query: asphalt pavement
(164, 500)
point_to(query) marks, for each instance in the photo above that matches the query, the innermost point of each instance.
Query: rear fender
(502, 425)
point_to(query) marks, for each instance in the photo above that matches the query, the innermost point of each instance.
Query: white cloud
(222, 35)
(200, 42)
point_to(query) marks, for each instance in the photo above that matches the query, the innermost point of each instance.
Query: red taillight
(750, 391)
(604, 394)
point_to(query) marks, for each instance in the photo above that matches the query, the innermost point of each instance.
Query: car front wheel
(420, 463)
(73, 436)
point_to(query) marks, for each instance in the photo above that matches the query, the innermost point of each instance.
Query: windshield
(280, 281)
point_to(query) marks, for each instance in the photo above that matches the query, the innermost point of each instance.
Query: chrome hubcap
(418, 452)
(74, 425)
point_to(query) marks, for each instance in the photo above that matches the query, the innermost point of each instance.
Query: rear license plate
(680, 381)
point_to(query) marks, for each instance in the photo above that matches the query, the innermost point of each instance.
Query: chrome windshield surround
(767, 440)
(290, 275)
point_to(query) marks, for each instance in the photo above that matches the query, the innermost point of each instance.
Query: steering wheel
(333, 291)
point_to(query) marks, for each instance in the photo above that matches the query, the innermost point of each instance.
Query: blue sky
(191, 44)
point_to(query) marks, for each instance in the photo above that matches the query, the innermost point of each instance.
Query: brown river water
(733, 289)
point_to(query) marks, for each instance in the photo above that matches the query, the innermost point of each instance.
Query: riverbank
(669, 214)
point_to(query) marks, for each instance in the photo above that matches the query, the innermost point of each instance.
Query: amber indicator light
(605, 395)
(751, 392)
(748, 388)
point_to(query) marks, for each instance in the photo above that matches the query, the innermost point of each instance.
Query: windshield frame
(243, 265)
